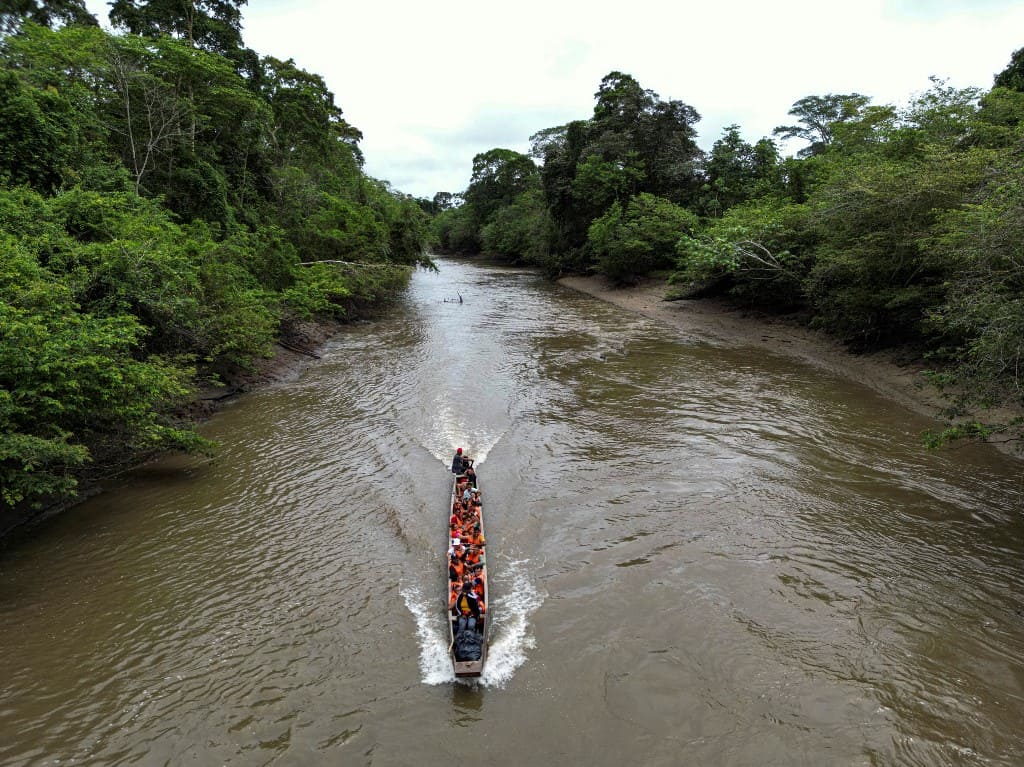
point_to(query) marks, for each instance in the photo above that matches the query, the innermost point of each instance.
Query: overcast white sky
(430, 84)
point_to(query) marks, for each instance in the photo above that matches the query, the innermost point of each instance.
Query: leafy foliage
(69, 379)
(162, 196)
(759, 250)
(43, 12)
(215, 25)
(635, 239)
(818, 118)
(519, 232)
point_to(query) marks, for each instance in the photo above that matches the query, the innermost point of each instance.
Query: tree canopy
(165, 214)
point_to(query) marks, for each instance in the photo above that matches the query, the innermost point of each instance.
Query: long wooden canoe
(462, 663)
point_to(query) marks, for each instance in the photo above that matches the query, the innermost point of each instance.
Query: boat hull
(469, 668)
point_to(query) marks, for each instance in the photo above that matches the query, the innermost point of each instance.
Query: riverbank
(888, 373)
(297, 347)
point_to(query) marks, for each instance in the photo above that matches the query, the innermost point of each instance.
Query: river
(698, 556)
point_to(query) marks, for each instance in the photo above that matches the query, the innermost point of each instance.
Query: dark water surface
(699, 557)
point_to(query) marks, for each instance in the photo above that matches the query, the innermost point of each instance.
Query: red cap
(459, 450)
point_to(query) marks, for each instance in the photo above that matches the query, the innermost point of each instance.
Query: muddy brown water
(699, 557)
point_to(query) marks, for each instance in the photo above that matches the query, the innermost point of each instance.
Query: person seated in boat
(456, 569)
(478, 589)
(472, 555)
(469, 584)
(470, 473)
(483, 608)
(460, 462)
(465, 608)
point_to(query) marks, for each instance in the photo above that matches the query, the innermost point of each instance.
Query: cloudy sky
(430, 84)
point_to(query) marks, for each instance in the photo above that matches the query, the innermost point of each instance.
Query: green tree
(309, 128)
(37, 135)
(560, 150)
(499, 176)
(633, 126)
(455, 231)
(520, 232)
(445, 200)
(70, 384)
(759, 252)
(817, 119)
(1012, 77)
(600, 182)
(634, 143)
(214, 25)
(982, 319)
(730, 169)
(631, 241)
(47, 13)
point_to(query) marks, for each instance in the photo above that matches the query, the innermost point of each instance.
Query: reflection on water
(698, 556)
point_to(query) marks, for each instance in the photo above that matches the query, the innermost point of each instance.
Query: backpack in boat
(468, 645)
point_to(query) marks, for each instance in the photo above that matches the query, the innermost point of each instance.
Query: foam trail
(476, 445)
(507, 650)
(435, 665)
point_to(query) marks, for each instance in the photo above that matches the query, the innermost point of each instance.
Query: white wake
(509, 638)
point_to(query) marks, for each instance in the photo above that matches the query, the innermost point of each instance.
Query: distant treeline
(166, 198)
(893, 226)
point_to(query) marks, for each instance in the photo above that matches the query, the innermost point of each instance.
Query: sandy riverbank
(714, 321)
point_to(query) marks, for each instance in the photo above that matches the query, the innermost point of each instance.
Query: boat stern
(469, 667)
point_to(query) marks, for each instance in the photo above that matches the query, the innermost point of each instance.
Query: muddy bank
(298, 346)
(888, 373)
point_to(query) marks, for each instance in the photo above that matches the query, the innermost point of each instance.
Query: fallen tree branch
(298, 350)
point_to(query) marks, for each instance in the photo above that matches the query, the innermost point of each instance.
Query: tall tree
(730, 172)
(214, 25)
(817, 117)
(445, 200)
(308, 125)
(48, 13)
(499, 176)
(632, 125)
(1013, 76)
